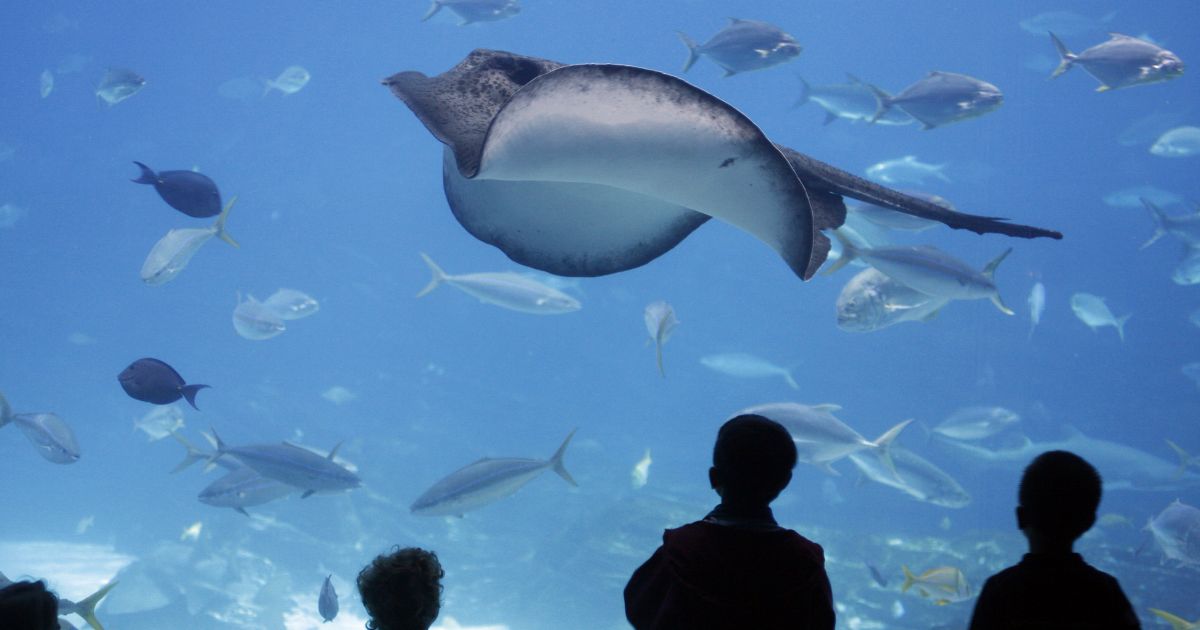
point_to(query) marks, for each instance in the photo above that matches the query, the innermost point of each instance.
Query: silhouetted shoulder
(1061, 591)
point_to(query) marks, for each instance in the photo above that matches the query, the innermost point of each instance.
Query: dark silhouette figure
(737, 569)
(402, 590)
(28, 606)
(1052, 587)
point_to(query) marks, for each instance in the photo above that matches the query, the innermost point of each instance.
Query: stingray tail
(433, 9)
(219, 225)
(693, 50)
(189, 392)
(989, 272)
(439, 276)
(556, 460)
(86, 607)
(1067, 58)
(148, 175)
(1159, 225)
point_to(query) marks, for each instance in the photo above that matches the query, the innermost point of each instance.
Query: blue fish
(153, 381)
(189, 192)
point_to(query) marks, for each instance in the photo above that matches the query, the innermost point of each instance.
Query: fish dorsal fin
(827, 407)
(333, 453)
(855, 80)
(989, 270)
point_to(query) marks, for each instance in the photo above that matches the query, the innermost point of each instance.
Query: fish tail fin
(148, 175)
(433, 9)
(883, 446)
(883, 102)
(1067, 58)
(805, 89)
(268, 85)
(218, 448)
(1176, 622)
(909, 579)
(939, 172)
(86, 607)
(989, 272)
(1159, 225)
(693, 52)
(658, 344)
(439, 276)
(189, 393)
(849, 253)
(192, 455)
(1184, 458)
(1120, 324)
(791, 380)
(556, 460)
(5, 411)
(219, 225)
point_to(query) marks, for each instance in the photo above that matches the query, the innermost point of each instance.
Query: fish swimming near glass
(291, 80)
(50, 436)
(907, 170)
(976, 423)
(509, 290)
(853, 101)
(1093, 310)
(821, 437)
(291, 304)
(487, 481)
(592, 169)
(472, 11)
(872, 301)
(160, 422)
(660, 320)
(744, 45)
(119, 85)
(327, 601)
(194, 194)
(1037, 305)
(913, 475)
(942, 98)
(172, 253)
(290, 464)
(1121, 62)
(1177, 142)
(253, 320)
(944, 585)
(243, 487)
(745, 365)
(1184, 227)
(153, 381)
(1177, 531)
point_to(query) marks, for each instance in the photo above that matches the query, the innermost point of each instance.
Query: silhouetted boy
(737, 569)
(402, 590)
(1052, 587)
(28, 606)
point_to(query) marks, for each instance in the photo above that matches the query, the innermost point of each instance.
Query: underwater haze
(339, 194)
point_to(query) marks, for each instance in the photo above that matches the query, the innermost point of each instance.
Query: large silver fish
(1093, 311)
(471, 11)
(744, 45)
(1122, 61)
(821, 437)
(872, 301)
(48, 434)
(853, 101)
(293, 465)
(976, 423)
(174, 251)
(243, 487)
(486, 481)
(915, 476)
(1177, 531)
(505, 289)
(592, 169)
(942, 98)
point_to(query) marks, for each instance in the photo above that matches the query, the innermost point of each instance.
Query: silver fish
(1178, 142)
(291, 80)
(1177, 531)
(471, 11)
(872, 301)
(47, 432)
(915, 476)
(243, 487)
(291, 304)
(174, 251)
(942, 98)
(486, 481)
(160, 422)
(744, 45)
(1122, 61)
(46, 83)
(931, 271)
(906, 170)
(976, 423)
(293, 465)
(253, 320)
(119, 85)
(1037, 305)
(744, 365)
(1093, 311)
(660, 323)
(821, 437)
(1186, 228)
(851, 101)
(505, 289)
(327, 603)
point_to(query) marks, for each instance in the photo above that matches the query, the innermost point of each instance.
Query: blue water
(339, 189)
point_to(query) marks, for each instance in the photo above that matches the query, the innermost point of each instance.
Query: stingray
(593, 169)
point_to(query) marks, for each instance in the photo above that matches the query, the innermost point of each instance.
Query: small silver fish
(1037, 305)
(660, 323)
(1093, 311)
(744, 45)
(505, 289)
(291, 80)
(641, 471)
(471, 11)
(253, 320)
(906, 170)
(853, 101)
(744, 365)
(160, 422)
(174, 251)
(327, 603)
(1178, 142)
(291, 304)
(46, 83)
(942, 98)
(1120, 62)
(119, 85)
